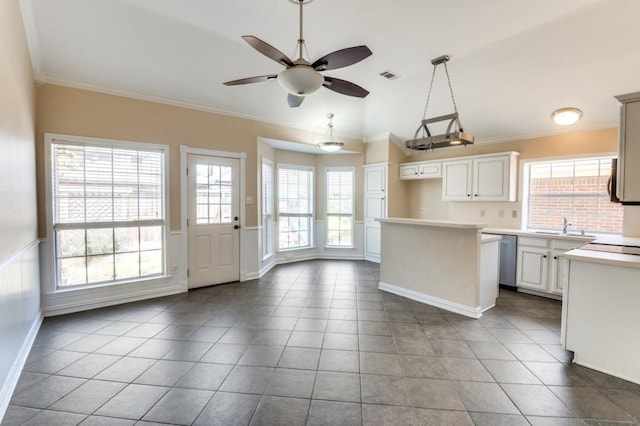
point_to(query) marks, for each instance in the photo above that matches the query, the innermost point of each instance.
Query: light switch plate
(248, 200)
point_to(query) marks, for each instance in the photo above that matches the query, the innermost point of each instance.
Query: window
(339, 204)
(214, 194)
(108, 212)
(295, 207)
(575, 189)
(267, 208)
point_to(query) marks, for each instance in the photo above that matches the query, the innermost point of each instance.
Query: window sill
(98, 286)
(296, 249)
(339, 247)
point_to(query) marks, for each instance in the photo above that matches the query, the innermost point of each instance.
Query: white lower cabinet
(541, 268)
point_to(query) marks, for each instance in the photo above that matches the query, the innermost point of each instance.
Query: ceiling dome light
(332, 145)
(300, 80)
(566, 116)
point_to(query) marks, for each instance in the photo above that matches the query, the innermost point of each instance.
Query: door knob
(235, 218)
(236, 226)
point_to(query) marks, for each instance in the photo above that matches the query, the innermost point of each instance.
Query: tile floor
(312, 343)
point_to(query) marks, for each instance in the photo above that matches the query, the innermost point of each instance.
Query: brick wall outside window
(575, 189)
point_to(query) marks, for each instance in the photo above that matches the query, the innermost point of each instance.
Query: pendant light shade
(330, 145)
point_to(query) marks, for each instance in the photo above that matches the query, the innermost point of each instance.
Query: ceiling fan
(301, 77)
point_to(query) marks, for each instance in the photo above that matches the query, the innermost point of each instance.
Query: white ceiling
(512, 62)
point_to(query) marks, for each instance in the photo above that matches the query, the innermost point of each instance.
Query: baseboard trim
(110, 301)
(539, 293)
(432, 301)
(604, 370)
(16, 369)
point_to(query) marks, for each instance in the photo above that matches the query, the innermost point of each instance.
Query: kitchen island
(601, 310)
(449, 265)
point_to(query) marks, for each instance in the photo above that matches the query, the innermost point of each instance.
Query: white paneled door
(213, 220)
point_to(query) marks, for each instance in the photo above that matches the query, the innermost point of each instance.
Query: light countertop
(486, 238)
(604, 258)
(433, 223)
(548, 235)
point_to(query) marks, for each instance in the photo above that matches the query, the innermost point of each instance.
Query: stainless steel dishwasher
(508, 256)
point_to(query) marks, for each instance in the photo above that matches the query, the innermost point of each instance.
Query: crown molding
(33, 45)
(566, 131)
(58, 81)
(376, 138)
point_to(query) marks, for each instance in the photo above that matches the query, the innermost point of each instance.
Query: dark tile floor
(312, 343)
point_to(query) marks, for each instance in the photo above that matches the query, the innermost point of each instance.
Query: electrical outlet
(174, 269)
(500, 213)
(421, 209)
(514, 213)
(483, 213)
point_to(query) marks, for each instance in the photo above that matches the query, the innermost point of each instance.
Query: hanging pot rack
(454, 135)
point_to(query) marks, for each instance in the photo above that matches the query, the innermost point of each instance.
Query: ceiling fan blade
(248, 80)
(267, 50)
(294, 101)
(344, 87)
(342, 58)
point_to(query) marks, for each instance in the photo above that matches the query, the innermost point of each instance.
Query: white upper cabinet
(629, 149)
(456, 184)
(421, 170)
(481, 178)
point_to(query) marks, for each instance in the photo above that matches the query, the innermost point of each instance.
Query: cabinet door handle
(468, 195)
(544, 255)
(555, 257)
(382, 198)
(475, 195)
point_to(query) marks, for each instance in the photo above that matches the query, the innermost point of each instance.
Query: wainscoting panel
(20, 316)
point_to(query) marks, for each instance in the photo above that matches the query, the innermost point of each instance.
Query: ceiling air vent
(388, 75)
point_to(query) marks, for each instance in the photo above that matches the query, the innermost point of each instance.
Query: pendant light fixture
(454, 135)
(331, 145)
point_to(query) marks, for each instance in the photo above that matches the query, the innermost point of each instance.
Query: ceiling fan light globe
(300, 80)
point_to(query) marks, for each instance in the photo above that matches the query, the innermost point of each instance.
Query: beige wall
(20, 313)
(377, 152)
(84, 113)
(18, 219)
(398, 192)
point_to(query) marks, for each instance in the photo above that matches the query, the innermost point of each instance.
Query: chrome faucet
(565, 225)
